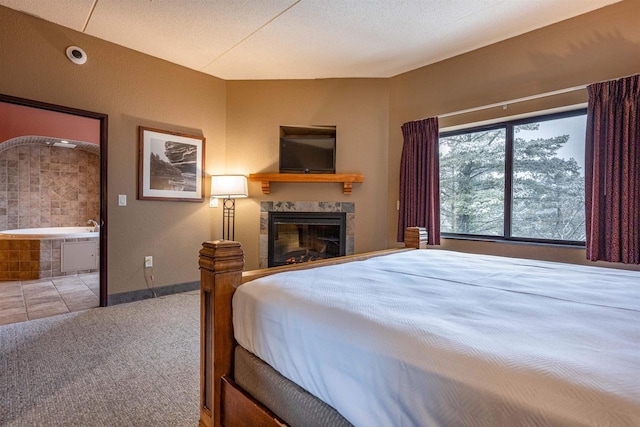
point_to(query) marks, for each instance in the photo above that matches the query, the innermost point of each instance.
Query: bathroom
(49, 194)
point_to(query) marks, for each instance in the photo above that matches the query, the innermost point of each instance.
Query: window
(521, 180)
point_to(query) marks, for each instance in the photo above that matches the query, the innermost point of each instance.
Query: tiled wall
(42, 186)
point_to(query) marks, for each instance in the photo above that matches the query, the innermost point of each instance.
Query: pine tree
(548, 190)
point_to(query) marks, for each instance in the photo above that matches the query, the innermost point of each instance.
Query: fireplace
(268, 208)
(296, 237)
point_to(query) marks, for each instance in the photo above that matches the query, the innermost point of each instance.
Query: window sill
(568, 245)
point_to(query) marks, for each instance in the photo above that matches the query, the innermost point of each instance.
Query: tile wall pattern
(282, 206)
(42, 186)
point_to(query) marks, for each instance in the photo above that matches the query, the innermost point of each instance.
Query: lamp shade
(229, 186)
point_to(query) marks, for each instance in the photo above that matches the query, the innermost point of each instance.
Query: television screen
(307, 154)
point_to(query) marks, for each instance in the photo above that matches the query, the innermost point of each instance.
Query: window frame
(508, 126)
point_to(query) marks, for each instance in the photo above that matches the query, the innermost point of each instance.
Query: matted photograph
(170, 166)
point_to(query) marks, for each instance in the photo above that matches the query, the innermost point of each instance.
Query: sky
(575, 127)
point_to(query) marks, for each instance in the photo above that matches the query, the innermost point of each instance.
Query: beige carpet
(133, 364)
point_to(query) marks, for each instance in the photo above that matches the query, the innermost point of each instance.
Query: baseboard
(141, 294)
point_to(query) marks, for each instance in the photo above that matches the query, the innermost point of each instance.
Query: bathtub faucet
(96, 227)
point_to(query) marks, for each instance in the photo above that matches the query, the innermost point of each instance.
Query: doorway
(39, 109)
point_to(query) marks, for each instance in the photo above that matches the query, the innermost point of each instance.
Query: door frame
(103, 118)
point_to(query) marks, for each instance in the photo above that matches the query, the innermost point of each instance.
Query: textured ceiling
(304, 39)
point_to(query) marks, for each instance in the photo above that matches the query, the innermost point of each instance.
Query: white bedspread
(439, 338)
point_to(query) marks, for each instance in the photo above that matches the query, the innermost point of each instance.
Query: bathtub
(49, 233)
(36, 253)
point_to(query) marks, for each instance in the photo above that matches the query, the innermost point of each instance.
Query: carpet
(134, 364)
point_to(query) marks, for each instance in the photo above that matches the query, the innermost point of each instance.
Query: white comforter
(439, 338)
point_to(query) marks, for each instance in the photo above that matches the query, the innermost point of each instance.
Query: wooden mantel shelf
(347, 179)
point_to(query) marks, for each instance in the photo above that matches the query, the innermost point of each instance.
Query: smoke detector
(76, 55)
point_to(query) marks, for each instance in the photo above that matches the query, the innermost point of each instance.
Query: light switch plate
(122, 200)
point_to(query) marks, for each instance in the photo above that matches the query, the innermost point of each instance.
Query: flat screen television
(313, 153)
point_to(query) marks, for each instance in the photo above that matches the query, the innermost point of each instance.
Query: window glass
(519, 180)
(548, 179)
(472, 183)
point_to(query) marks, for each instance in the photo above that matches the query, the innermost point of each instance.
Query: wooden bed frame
(222, 402)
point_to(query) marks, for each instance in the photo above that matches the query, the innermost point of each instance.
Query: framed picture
(170, 166)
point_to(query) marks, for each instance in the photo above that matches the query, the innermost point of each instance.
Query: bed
(454, 339)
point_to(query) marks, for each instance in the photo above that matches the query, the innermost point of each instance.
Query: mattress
(293, 404)
(439, 338)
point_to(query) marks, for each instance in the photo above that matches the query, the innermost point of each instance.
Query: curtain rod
(513, 101)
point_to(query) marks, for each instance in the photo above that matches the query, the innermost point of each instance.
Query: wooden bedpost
(415, 237)
(221, 263)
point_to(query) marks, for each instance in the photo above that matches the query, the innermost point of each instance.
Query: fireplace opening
(296, 237)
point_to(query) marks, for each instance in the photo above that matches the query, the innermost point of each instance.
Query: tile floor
(35, 299)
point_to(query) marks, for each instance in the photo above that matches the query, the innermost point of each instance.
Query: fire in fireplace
(296, 237)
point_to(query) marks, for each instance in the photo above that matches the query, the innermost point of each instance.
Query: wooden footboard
(221, 264)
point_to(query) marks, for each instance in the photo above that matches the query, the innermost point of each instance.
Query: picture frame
(170, 166)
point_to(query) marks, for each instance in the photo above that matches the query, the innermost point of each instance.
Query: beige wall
(134, 90)
(240, 121)
(601, 45)
(359, 109)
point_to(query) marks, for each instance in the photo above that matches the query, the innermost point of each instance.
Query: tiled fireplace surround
(284, 206)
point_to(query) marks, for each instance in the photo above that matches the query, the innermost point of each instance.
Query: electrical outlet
(148, 261)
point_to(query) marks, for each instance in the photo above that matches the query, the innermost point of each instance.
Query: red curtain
(420, 179)
(612, 169)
